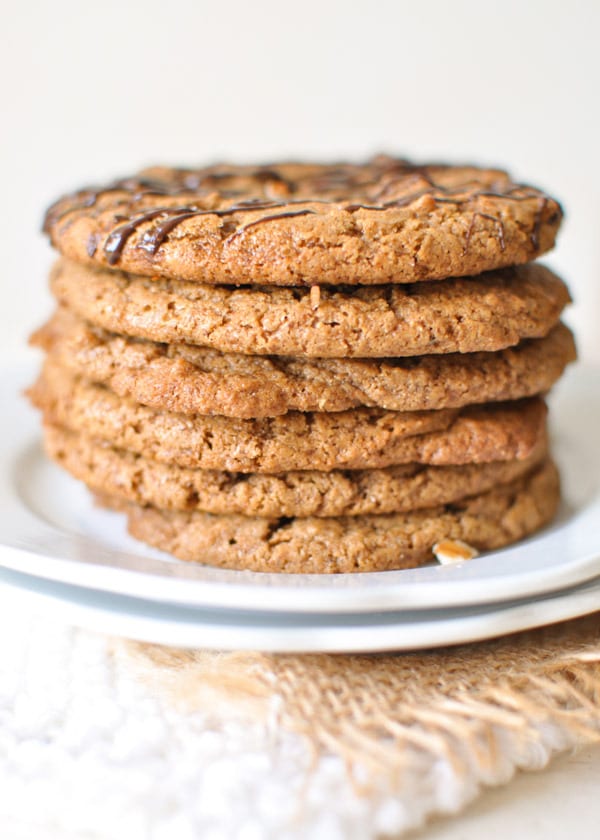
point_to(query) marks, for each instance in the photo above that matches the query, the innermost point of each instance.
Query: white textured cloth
(89, 751)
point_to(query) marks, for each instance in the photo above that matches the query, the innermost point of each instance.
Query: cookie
(132, 477)
(357, 439)
(198, 380)
(313, 545)
(385, 221)
(486, 313)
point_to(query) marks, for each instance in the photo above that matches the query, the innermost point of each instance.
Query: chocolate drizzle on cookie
(153, 239)
(289, 215)
(383, 184)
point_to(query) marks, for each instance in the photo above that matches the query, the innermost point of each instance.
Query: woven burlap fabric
(437, 724)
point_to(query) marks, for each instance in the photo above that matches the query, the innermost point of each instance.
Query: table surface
(538, 806)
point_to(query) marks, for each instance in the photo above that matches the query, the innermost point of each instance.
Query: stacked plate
(61, 554)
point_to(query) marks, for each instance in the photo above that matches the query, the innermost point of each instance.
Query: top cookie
(290, 224)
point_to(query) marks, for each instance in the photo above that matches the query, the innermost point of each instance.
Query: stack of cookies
(308, 368)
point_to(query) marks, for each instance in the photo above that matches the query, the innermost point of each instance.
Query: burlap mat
(428, 728)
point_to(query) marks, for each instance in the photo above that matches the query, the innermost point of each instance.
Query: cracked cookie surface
(196, 380)
(484, 313)
(385, 221)
(116, 472)
(315, 545)
(356, 439)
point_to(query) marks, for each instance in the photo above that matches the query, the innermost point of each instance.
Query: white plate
(50, 529)
(182, 626)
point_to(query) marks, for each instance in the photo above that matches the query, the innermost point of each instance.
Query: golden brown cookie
(485, 313)
(131, 477)
(385, 221)
(357, 439)
(198, 380)
(315, 545)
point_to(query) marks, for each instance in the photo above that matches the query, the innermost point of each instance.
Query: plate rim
(452, 628)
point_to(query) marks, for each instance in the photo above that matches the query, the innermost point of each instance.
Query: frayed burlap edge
(441, 724)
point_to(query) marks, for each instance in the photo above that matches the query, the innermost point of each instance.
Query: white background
(93, 91)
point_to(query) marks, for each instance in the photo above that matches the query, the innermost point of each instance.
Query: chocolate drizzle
(153, 239)
(82, 200)
(91, 246)
(288, 215)
(117, 238)
(383, 184)
(499, 230)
